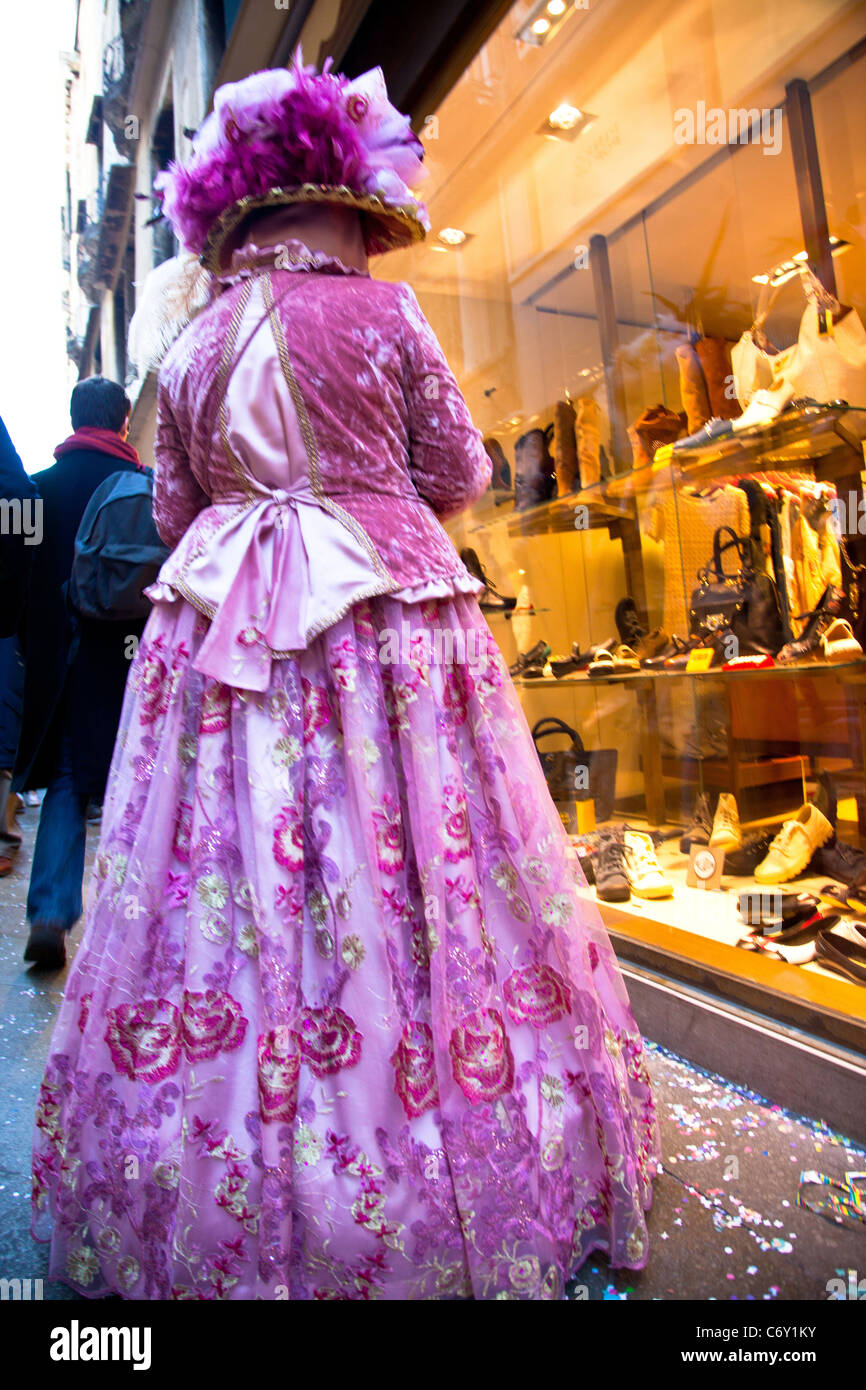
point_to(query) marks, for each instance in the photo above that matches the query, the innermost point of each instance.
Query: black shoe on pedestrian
(701, 828)
(611, 879)
(46, 946)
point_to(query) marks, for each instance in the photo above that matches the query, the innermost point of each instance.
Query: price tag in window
(700, 659)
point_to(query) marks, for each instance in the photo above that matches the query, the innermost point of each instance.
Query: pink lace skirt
(344, 1021)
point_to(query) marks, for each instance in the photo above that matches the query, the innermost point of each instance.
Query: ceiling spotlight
(565, 117)
(545, 19)
(452, 239)
(566, 122)
(453, 236)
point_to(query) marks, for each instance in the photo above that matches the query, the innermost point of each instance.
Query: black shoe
(698, 833)
(566, 665)
(843, 955)
(491, 600)
(46, 946)
(839, 861)
(743, 862)
(825, 798)
(611, 879)
(628, 624)
(535, 657)
(585, 659)
(829, 606)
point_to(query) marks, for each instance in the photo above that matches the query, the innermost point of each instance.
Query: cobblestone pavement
(724, 1224)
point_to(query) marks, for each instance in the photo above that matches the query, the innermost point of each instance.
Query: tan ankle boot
(589, 441)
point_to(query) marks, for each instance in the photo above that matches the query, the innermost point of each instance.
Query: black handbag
(577, 773)
(744, 604)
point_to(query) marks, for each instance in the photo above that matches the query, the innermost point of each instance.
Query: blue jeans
(57, 871)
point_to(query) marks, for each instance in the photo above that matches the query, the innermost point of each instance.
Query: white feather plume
(171, 296)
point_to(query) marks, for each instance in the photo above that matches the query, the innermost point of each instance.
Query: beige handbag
(827, 362)
(752, 357)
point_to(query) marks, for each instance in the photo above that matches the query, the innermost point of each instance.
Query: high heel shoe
(807, 644)
(491, 600)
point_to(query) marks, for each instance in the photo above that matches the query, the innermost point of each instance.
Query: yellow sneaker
(645, 877)
(726, 833)
(794, 846)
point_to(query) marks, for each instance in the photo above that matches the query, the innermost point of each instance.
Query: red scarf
(103, 441)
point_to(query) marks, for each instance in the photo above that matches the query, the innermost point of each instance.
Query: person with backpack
(75, 667)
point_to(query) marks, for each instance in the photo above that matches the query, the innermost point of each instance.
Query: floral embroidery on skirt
(344, 1021)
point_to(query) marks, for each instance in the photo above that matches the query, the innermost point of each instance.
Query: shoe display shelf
(830, 438)
(797, 1032)
(740, 770)
(697, 932)
(559, 514)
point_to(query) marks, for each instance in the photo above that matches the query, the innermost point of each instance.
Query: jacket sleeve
(16, 548)
(447, 461)
(177, 497)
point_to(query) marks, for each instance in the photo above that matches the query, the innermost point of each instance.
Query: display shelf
(825, 436)
(702, 929)
(751, 772)
(850, 671)
(558, 515)
(514, 612)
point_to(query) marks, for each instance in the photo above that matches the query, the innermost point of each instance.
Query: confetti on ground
(737, 1238)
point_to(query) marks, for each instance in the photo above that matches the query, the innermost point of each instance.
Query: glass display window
(647, 269)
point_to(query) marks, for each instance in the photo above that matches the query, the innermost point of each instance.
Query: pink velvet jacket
(310, 433)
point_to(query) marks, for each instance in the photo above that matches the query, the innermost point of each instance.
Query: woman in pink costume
(344, 1021)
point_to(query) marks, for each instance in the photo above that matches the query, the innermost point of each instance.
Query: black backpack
(118, 551)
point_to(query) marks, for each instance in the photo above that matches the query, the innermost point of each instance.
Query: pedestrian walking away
(75, 671)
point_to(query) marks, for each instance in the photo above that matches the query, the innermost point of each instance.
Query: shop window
(611, 212)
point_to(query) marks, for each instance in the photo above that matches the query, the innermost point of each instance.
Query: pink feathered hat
(292, 135)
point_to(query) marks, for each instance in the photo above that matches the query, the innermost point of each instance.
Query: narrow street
(725, 1222)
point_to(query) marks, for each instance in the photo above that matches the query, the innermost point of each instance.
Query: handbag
(577, 773)
(827, 362)
(744, 604)
(752, 357)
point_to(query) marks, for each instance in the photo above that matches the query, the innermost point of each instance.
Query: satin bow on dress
(278, 572)
(279, 561)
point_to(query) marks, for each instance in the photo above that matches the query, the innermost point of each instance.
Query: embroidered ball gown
(344, 1021)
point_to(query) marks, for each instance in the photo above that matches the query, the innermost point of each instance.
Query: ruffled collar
(288, 255)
